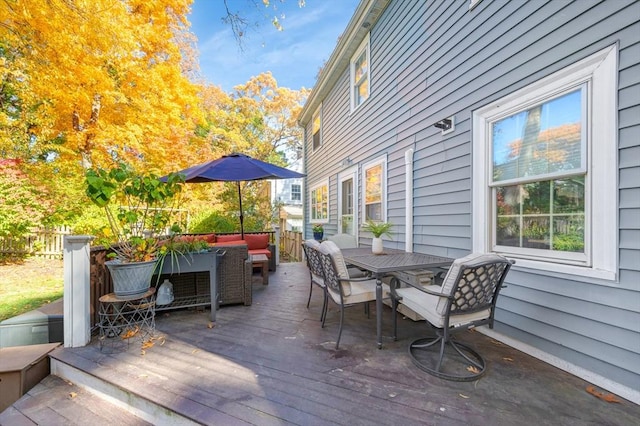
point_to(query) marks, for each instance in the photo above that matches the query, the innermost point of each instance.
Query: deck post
(76, 302)
(276, 228)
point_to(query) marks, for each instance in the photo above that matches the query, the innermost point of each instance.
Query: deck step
(57, 401)
(99, 382)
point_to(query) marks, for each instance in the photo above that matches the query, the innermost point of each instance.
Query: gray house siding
(434, 59)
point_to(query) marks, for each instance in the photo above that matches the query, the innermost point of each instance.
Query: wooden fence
(43, 242)
(291, 246)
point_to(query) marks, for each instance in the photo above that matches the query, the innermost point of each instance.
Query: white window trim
(380, 160)
(317, 113)
(365, 45)
(311, 189)
(600, 69)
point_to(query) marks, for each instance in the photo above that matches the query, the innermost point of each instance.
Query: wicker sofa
(257, 242)
(234, 281)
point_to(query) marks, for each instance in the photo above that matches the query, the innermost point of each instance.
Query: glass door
(347, 202)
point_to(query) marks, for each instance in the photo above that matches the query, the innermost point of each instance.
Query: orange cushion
(210, 238)
(261, 251)
(231, 243)
(257, 241)
(225, 238)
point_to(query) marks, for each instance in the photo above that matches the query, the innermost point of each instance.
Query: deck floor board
(272, 363)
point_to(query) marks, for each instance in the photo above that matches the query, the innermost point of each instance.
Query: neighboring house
(497, 126)
(288, 193)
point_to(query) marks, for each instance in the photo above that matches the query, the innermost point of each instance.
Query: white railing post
(76, 301)
(276, 228)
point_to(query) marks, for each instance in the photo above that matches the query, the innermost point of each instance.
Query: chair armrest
(396, 283)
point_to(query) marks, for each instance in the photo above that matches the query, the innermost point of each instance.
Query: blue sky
(293, 55)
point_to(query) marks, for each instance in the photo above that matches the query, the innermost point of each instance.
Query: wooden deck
(271, 363)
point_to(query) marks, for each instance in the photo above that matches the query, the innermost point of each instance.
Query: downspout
(408, 200)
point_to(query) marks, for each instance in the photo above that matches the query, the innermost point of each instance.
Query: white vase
(376, 246)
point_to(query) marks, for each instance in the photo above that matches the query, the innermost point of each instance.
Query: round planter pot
(376, 246)
(318, 236)
(131, 279)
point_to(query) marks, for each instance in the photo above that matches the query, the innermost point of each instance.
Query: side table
(261, 261)
(124, 318)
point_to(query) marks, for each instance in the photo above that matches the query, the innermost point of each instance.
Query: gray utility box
(42, 325)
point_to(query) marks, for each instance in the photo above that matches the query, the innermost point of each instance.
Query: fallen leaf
(463, 396)
(472, 369)
(211, 325)
(130, 333)
(148, 344)
(194, 351)
(495, 342)
(605, 397)
(72, 394)
(506, 358)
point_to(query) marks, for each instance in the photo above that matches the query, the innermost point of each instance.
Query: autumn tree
(22, 202)
(104, 77)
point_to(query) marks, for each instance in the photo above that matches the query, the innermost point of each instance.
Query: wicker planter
(131, 279)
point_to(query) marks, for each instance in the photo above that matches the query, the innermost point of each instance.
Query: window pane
(546, 138)
(535, 214)
(373, 184)
(360, 66)
(373, 193)
(535, 197)
(374, 212)
(568, 233)
(316, 131)
(362, 92)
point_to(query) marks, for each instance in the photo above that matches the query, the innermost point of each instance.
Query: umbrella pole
(241, 215)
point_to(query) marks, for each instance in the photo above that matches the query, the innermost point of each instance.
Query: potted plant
(139, 208)
(318, 231)
(378, 229)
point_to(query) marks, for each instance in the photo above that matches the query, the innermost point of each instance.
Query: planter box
(190, 288)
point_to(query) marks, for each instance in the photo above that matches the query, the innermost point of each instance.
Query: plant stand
(123, 319)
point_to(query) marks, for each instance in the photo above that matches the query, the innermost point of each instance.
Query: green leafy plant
(138, 207)
(378, 229)
(175, 247)
(318, 227)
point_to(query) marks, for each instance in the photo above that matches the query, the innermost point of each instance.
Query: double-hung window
(360, 78)
(319, 203)
(544, 171)
(374, 178)
(296, 192)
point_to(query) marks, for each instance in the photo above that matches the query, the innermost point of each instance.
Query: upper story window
(374, 178)
(296, 192)
(319, 203)
(537, 195)
(316, 128)
(360, 78)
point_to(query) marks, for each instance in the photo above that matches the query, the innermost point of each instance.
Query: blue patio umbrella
(236, 168)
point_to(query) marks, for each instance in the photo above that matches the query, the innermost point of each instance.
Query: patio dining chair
(343, 289)
(344, 240)
(316, 273)
(466, 299)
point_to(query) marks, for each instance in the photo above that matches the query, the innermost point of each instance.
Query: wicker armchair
(234, 275)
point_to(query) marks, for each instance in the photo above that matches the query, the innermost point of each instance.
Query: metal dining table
(391, 260)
